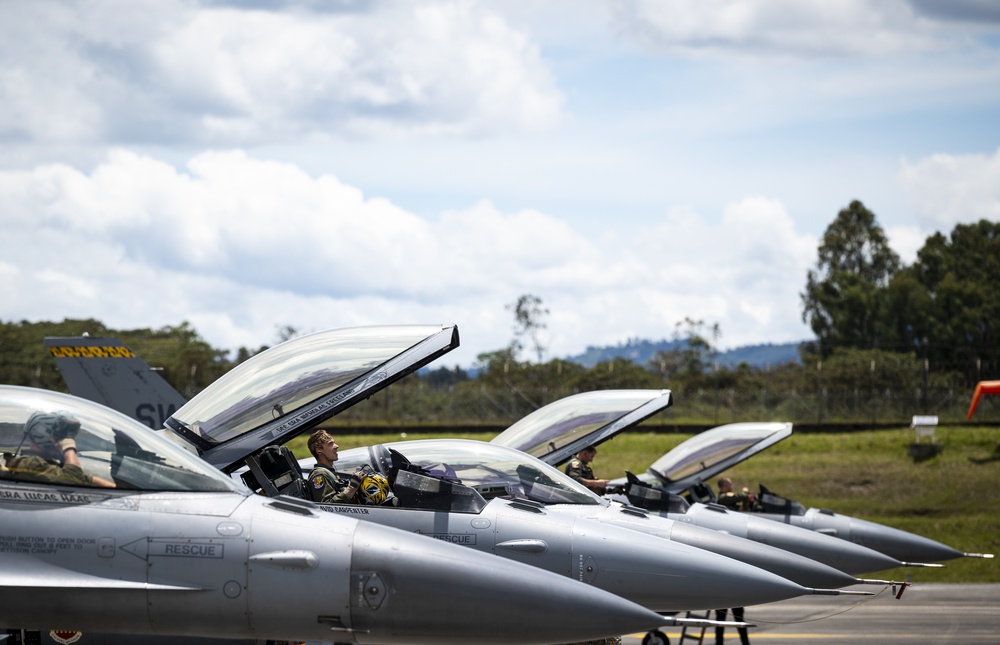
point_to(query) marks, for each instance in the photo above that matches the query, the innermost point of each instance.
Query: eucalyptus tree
(844, 301)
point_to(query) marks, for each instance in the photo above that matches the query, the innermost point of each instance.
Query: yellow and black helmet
(374, 490)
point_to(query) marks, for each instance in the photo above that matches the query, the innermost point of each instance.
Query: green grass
(870, 475)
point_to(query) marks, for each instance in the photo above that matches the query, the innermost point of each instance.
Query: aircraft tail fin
(106, 371)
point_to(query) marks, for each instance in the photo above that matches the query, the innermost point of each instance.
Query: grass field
(953, 498)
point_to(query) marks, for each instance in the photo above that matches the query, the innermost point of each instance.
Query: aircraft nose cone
(442, 593)
(899, 544)
(792, 566)
(840, 554)
(668, 576)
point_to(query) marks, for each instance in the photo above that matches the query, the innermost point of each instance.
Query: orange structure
(984, 387)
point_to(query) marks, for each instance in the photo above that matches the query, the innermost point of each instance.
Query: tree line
(890, 341)
(943, 309)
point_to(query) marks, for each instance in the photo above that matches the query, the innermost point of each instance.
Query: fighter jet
(94, 367)
(432, 474)
(693, 463)
(498, 472)
(108, 527)
(245, 416)
(556, 432)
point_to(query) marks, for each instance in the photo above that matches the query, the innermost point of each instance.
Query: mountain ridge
(642, 351)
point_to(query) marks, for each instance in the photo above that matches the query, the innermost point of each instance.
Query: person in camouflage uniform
(736, 501)
(579, 469)
(325, 484)
(51, 455)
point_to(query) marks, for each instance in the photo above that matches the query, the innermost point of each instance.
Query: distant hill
(641, 352)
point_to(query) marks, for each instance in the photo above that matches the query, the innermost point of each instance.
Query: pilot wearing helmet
(51, 455)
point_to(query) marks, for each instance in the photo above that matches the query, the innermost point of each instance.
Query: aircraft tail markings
(106, 371)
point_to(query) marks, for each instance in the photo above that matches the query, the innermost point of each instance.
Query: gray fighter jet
(462, 466)
(554, 433)
(104, 369)
(244, 416)
(693, 463)
(108, 527)
(432, 474)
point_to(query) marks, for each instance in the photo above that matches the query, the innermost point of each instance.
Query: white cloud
(431, 161)
(743, 272)
(180, 71)
(906, 241)
(778, 28)
(944, 190)
(239, 247)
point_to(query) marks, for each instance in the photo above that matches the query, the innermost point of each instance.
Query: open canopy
(290, 388)
(559, 430)
(709, 453)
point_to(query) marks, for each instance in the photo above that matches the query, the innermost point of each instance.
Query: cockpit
(52, 438)
(459, 471)
(456, 475)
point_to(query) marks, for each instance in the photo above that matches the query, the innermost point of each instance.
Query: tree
(185, 360)
(843, 301)
(24, 360)
(617, 373)
(287, 332)
(693, 353)
(954, 287)
(528, 321)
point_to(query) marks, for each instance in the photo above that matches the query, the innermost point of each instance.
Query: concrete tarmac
(927, 613)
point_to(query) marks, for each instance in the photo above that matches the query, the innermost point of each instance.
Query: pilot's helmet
(374, 490)
(47, 429)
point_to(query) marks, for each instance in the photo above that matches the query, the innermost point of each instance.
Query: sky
(245, 167)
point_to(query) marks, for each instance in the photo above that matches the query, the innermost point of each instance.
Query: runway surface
(927, 613)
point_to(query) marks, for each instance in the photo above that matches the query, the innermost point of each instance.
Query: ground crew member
(579, 469)
(736, 501)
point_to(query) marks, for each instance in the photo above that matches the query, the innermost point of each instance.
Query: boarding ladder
(697, 633)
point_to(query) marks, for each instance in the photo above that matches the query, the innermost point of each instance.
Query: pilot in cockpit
(325, 485)
(324, 482)
(48, 453)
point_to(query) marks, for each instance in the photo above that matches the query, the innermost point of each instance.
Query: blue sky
(351, 163)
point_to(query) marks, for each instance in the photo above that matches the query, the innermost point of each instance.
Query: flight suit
(326, 486)
(737, 501)
(37, 469)
(579, 470)
(730, 500)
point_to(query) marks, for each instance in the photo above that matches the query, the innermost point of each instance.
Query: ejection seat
(275, 471)
(643, 495)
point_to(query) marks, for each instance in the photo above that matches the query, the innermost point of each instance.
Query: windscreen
(52, 438)
(494, 470)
